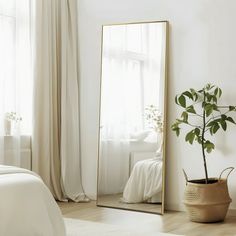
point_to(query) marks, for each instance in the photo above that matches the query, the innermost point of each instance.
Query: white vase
(7, 126)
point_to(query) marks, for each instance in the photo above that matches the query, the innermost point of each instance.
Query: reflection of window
(15, 80)
(131, 65)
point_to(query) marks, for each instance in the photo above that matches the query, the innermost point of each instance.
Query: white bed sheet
(27, 208)
(145, 182)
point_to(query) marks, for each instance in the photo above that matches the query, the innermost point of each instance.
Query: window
(131, 73)
(15, 53)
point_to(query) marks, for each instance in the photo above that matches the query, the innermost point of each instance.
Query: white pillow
(151, 138)
(140, 136)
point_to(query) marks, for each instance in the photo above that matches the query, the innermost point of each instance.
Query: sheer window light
(15, 52)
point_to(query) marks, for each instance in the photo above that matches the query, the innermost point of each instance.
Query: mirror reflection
(132, 117)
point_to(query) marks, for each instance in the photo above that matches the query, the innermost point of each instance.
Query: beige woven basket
(207, 202)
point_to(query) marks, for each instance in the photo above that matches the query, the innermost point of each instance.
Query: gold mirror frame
(165, 69)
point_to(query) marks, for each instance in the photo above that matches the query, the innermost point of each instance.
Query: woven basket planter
(207, 203)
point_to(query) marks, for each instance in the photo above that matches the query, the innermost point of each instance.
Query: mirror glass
(132, 117)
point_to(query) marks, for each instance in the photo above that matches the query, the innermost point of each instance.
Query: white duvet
(145, 181)
(27, 207)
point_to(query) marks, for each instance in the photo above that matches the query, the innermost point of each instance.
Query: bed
(145, 182)
(27, 207)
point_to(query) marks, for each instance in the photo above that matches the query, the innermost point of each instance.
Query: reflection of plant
(208, 116)
(13, 116)
(154, 118)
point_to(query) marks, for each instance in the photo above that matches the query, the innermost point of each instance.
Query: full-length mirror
(132, 117)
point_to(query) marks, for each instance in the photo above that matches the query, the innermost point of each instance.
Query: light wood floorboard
(114, 200)
(171, 222)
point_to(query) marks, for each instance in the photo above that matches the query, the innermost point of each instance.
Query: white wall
(202, 49)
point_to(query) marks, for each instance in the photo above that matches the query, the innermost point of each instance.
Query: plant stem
(203, 138)
(195, 126)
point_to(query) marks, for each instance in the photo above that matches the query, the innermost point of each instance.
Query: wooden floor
(114, 200)
(171, 222)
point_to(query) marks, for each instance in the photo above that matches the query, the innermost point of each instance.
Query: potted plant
(9, 118)
(207, 199)
(154, 119)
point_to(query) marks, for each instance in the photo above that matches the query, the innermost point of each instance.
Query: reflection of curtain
(56, 100)
(15, 80)
(130, 82)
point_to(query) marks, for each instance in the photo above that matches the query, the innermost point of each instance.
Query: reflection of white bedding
(145, 181)
(27, 207)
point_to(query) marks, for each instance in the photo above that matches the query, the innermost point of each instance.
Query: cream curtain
(55, 142)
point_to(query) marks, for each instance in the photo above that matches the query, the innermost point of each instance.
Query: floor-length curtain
(56, 154)
(15, 89)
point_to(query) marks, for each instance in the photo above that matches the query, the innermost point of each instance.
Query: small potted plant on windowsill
(206, 200)
(154, 119)
(9, 118)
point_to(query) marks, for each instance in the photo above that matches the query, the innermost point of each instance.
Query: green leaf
(199, 139)
(230, 119)
(223, 125)
(216, 91)
(209, 87)
(194, 93)
(211, 123)
(209, 109)
(220, 92)
(177, 132)
(215, 128)
(223, 117)
(212, 86)
(191, 109)
(182, 101)
(175, 128)
(232, 108)
(215, 108)
(214, 98)
(174, 125)
(197, 131)
(188, 94)
(190, 137)
(185, 117)
(209, 146)
(208, 96)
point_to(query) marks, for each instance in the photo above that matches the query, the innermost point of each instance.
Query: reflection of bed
(27, 207)
(145, 182)
(134, 157)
